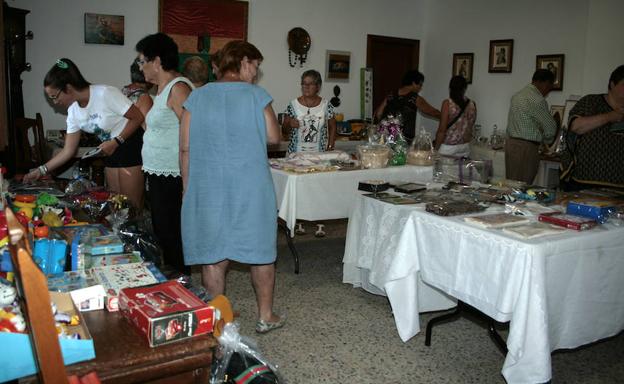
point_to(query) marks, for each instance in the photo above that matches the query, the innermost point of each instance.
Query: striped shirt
(529, 117)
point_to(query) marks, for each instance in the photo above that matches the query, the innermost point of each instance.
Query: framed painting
(553, 63)
(103, 29)
(462, 65)
(501, 56)
(202, 27)
(338, 65)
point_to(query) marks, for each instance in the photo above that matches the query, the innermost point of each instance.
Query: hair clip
(61, 64)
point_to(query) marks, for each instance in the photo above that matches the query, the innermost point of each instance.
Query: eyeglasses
(140, 62)
(304, 84)
(53, 98)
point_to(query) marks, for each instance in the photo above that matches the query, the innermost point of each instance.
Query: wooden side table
(123, 356)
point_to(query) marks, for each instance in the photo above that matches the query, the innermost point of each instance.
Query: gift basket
(421, 152)
(373, 155)
(461, 170)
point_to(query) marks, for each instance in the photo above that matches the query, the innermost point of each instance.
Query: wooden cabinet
(15, 37)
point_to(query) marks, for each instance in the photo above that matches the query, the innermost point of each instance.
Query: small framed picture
(501, 56)
(103, 29)
(462, 65)
(553, 63)
(338, 65)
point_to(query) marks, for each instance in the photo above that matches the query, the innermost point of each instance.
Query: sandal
(267, 326)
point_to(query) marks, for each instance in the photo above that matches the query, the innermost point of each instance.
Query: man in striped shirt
(529, 124)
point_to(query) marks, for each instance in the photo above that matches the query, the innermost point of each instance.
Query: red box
(569, 221)
(166, 312)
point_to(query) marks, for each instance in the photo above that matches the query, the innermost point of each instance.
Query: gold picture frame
(462, 65)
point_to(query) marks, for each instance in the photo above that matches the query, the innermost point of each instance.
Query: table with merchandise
(557, 287)
(329, 194)
(91, 273)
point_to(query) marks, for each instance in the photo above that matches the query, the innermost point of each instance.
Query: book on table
(533, 230)
(496, 220)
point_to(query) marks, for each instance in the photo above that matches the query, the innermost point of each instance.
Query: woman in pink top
(457, 121)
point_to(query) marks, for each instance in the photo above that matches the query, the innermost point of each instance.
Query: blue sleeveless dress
(229, 209)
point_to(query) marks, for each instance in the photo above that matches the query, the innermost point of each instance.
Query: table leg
(463, 307)
(458, 310)
(291, 245)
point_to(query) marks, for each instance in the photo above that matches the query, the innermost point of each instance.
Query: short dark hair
(616, 76)
(543, 75)
(136, 75)
(160, 45)
(413, 76)
(196, 69)
(314, 75)
(233, 53)
(64, 72)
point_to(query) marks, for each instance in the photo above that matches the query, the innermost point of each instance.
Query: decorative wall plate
(299, 43)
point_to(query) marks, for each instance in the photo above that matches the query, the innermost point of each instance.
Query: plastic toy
(7, 295)
(11, 322)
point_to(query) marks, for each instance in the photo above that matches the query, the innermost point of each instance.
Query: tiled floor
(338, 334)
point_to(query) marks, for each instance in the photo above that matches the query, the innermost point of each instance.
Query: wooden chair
(36, 304)
(30, 155)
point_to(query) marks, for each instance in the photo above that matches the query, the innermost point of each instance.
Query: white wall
(604, 44)
(58, 28)
(588, 32)
(537, 27)
(334, 25)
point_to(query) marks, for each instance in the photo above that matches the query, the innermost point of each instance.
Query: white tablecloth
(559, 291)
(329, 195)
(377, 259)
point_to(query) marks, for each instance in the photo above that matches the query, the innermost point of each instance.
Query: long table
(329, 195)
(558, 291)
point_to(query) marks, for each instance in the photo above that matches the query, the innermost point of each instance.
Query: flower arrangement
(390, 130)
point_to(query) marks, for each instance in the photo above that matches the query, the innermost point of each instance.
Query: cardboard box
(166, 312)
(18, 359)
(89, 299)
(106, 260)
(105, 245)
(594, 209)
(115, 277)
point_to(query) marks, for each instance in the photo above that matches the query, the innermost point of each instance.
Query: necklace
(307, 104)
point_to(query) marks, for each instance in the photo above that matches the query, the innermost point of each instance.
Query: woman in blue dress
(229, 210)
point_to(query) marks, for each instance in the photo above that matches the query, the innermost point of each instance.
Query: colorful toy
(7, 294)
(12, 322)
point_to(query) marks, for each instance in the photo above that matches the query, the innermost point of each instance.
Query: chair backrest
(36, 302)
(30, 155)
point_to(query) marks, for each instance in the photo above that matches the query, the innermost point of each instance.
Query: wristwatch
(120, 140)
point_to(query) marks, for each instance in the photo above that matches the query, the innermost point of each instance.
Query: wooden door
(390, 58)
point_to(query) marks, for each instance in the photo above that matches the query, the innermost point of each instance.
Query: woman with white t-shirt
(310, 118)
(104, 111)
